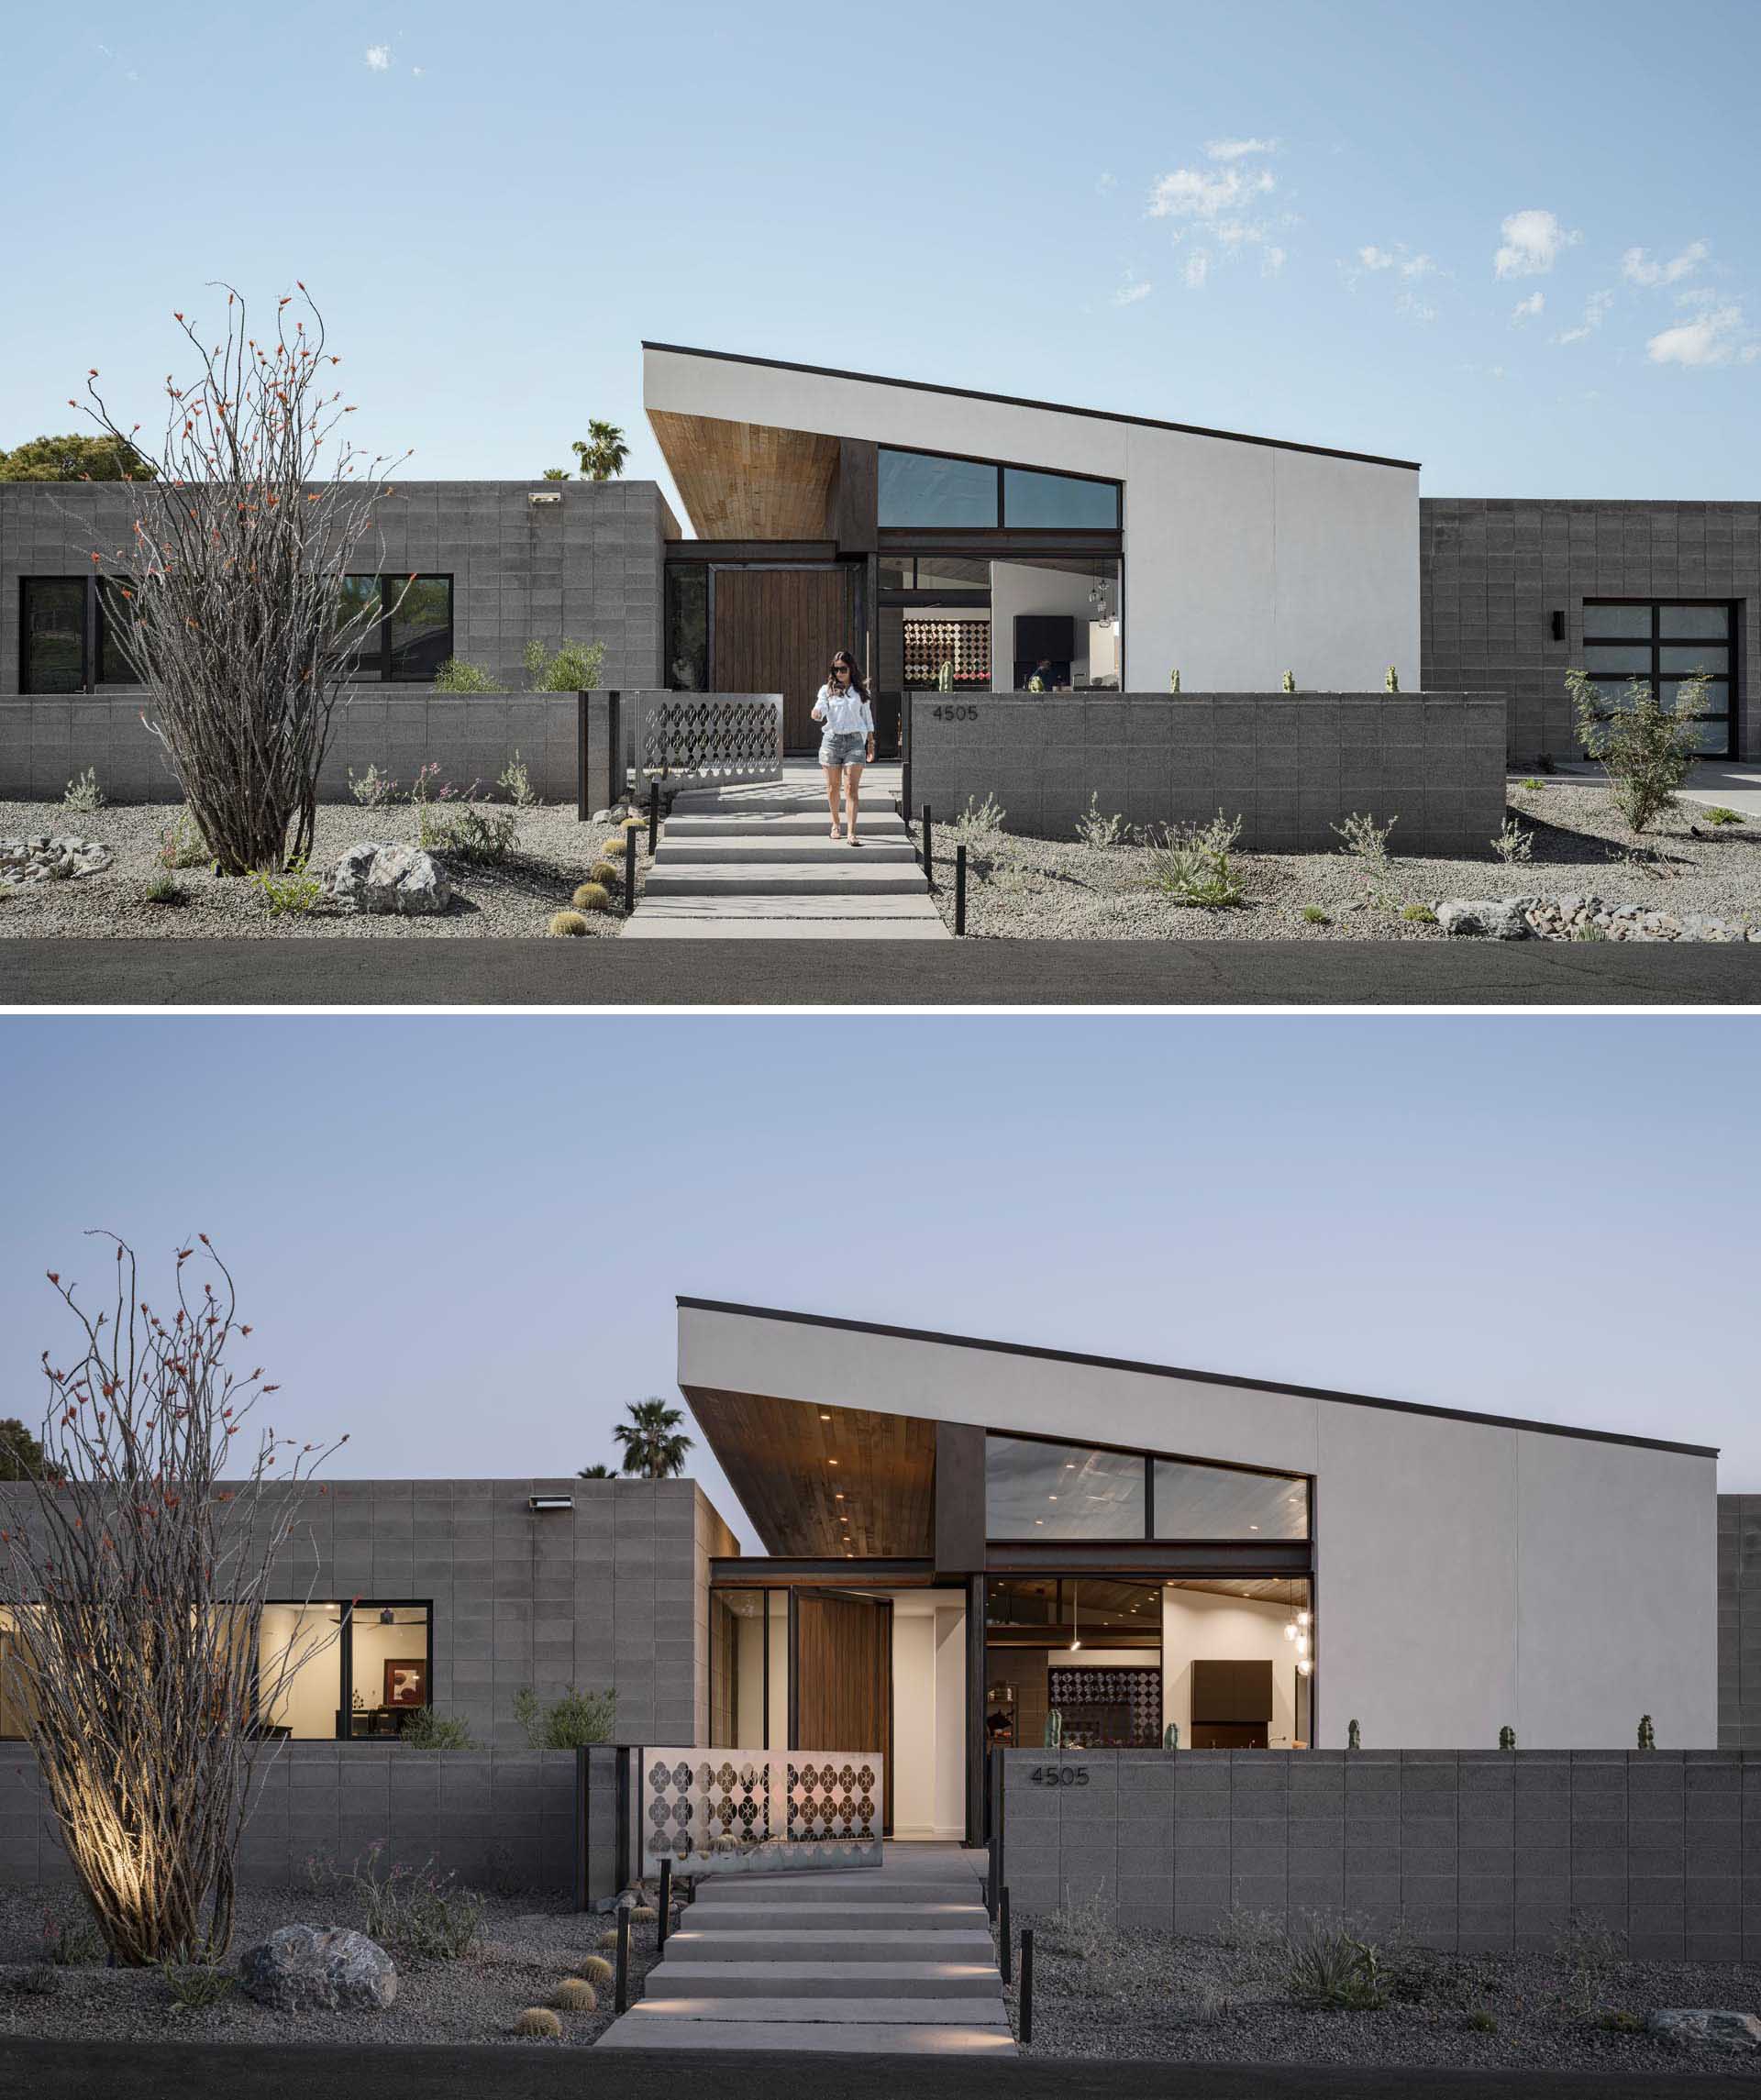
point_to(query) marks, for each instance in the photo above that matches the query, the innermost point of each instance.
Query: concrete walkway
(756, 862)
(891, 1960)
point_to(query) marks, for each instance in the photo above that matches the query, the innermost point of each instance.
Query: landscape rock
(400, 878)
(1735, 2033)
(319, 1968)
(1575, 918)
(1497, 918)
(43, 858)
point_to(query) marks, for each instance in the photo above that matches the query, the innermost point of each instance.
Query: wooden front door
(775, 630)
(844, 1677)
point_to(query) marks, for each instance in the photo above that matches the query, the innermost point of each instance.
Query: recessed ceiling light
(825, 1417)
(831, 1462)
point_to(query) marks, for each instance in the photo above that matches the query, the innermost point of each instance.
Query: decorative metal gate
(742, 1811)
(705, 738)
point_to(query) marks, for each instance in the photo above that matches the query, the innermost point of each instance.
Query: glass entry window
(1661, 645)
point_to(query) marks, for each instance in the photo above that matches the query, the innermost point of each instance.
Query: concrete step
(773, 803)
(682, 1979)
(786, 1943)
(866, 2038)
(920, 906)
(930, 1919)
(912, 2011)
(850, 876)
(650, 925)
(750, 1891)
(808, 850)
(807, 824)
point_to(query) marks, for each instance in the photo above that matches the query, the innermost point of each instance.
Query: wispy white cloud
(1106, 182)
(1205, 193)
(1534, 241)
(1132, 290)
(1718, 334)
(1528, 309)
(1414, 308)
(1375, 261)
(1595, 313)
(1238, 149)
(1638, 269)
(379, 58)
(1198, 268)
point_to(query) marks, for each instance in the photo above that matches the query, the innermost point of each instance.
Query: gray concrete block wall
(1739, 1622)
(1291, 768)
(1492, 572)
(1477, 1851)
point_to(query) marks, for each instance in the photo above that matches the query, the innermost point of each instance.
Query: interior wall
(1017, 586)
(776, 1603)
(928, 1714)
(374, 1645)
(748, 1682)
(307, 1708)
(1202, 1626)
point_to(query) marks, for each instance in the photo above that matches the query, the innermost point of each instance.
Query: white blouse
(844, 712)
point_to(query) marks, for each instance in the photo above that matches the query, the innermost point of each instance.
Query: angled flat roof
(1177, 1371)
(1022, 400)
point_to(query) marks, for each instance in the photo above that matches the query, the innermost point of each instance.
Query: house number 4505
(1059, 1775)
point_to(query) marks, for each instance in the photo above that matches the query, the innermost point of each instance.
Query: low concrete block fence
(1290, 767)
(1477, 1851)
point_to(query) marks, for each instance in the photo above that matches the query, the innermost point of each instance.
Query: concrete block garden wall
(1289, 767)
(1479, 1850)
(1739, 1622)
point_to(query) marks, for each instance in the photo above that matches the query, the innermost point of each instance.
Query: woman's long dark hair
(856, 686)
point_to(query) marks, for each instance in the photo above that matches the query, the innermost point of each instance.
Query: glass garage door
(1663, 644)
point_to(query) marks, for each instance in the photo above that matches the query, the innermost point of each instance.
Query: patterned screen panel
(740, 1811)
(707, 737)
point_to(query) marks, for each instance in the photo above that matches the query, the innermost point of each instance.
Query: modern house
(1022, 545)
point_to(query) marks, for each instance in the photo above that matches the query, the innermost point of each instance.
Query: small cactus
(592, 897)
(538, 2022)
(608, 1939)
(1054, 1729)
(595, 1968)
(1647, 1734)
(1289, 682)
(575, 1995)
(1392, 682)
(1171, 1733)
(1354, 1736)
(1035, 683)
(1174, 680)
(606, 872)
(944, 676)
(565, 925)
(1507, 1737)
(642, 1914)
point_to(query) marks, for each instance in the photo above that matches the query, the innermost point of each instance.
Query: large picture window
(363, 1669)
(929, 489)
(1036, 1489)
(408, 633)
(68, 633)
(1661, 645)
(1224, 1502)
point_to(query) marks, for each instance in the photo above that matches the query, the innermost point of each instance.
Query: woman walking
(846, 739)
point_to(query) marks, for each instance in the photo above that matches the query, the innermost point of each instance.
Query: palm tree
(602, 452)
(653, 1448)
(596, 1473)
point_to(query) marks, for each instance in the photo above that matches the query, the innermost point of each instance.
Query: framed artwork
(406, 1681)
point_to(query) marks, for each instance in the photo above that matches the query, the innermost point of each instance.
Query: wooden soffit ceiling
(748, 480)
(819, 1482)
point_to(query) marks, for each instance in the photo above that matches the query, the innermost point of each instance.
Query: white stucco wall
(1242, 560)
(1468, 1574)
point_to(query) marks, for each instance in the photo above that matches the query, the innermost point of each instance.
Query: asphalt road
(874, 973)
(176, 2070)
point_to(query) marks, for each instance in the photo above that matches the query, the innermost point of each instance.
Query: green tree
(21, 1456)
(556, 473)
(75, 458)
(596, 1473)
(652, 1445)
(1646, 749)
(602, 452)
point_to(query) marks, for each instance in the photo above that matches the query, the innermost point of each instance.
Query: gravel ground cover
(1226, 2000)
(527, 1944)
(552, 855)
(1027, 889)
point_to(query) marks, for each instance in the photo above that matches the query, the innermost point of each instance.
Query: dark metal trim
(754, 1571)
(1152, 1557)
(1021, 401)
(1175, 1371)
(1660, 641)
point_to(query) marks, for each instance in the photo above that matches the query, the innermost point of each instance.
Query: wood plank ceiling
(748, 480)
(825, 1482)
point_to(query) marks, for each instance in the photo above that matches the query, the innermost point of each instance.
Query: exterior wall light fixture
(539, 1504)
(543, 496)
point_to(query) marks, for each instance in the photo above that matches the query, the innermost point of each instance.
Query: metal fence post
(665, 1902)
(624, 1957)
(1002, 1934)
(582, 812)
(929, 846)
(654, 816)
(959, 888)
(1026, 1985)
(629, 869)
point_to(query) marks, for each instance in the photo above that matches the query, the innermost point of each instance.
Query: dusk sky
(1517, 243)
(460, 1237)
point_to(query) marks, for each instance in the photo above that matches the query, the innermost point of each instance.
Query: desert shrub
(83, 794)
(538, 2022)
(1531, 787)
(1621, 2023)
(1244, 1931)
(1331, 1970)
(373, 790)
(1719, 815)
(1365, 842)
(1513, 845)
(1589, 1951)
(292, 893)
(1190, 864)
(180, 843)
(1644, 748)
(426, 792)
(979, 821)
(165, 889)
(196, 1986)
(516, 782)
(607, 875)
(1420, 915)
(70, 1939)
(1315, 916)
(595, 1968)
(574, 667)
(39, 1980)
(425, 1729)
(592, 897)
(1093, 829)
(425, 1913)
(457, 675)
(569, 1722)
(575, 1995)
(1481, 2021)
(566, 926)
(481, 834)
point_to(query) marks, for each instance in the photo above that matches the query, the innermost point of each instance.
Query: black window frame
(345, 1651)
(1661, 639)
(88, 615)
(372, 657)
(1002, 467)
(1148, 1535)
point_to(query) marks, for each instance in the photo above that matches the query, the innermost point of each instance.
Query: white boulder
(389, 878)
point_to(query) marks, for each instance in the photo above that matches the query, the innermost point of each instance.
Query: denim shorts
(844, 747)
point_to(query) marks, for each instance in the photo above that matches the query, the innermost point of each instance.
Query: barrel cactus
(595, 1968)
(1354, 1738)
(594, 895)
(1507, 1737)
(1647, 1734)
(575, 1995)
(538, 2022)
(565, 925)
(608, 1939)
(642, 1914)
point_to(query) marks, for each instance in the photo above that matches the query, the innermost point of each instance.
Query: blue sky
(1517, 242)
(460, 1238)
